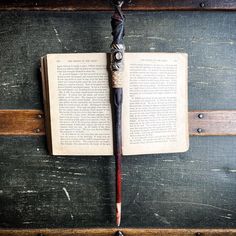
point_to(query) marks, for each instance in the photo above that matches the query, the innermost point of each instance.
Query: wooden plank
(114, 232)
(195, 189)
(209, 42)
(201, 123)
(205, 123)
(104, 5)
(21, 122)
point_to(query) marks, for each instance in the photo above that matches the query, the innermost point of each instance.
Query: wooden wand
(117, 67)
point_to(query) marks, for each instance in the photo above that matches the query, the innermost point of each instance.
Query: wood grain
(21, 122)
(205, 123)
(104, 5)
(209, 42)
(125, 231)
(201, 123)
(195, 189)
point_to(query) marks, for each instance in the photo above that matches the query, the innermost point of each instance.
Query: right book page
(155, 107)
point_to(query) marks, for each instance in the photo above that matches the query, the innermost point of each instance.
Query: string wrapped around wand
(117, 67)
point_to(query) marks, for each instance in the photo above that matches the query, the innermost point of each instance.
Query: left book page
(77, 104)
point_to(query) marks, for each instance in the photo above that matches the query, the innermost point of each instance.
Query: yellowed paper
(79, 104)
(155, 110)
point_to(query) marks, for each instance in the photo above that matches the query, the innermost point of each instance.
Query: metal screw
(37, 130)
(202, 4)
(199, 130)
(40, 116)
(200, 116)
(119, 233)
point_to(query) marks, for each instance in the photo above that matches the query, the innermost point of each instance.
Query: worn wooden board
(126, 232)
(208, 38)
(104, 5)
(22, 122)
(191, 190)
(194, 189)
(201, 123)
(205, 123)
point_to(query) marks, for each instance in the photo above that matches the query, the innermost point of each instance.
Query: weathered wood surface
(191, 190)
(203, 123)
(114, 232)
(104, 5)
(212, 123)
(21, 122)
(208, 38)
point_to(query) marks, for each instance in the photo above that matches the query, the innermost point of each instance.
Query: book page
(79, 98)
(155, 110)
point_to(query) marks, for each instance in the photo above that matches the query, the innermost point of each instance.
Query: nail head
(40, 116)
(202, 4)
(200, 116)
(199, 130)
(119, 233)
(37, 130)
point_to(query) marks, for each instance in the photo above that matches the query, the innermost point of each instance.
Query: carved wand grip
(117, 67)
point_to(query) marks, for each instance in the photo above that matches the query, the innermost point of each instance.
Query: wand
(117, 66)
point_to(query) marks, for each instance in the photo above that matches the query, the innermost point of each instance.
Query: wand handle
(117, 98)
(117, 67)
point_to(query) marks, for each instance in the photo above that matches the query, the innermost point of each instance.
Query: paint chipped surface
(66, 192)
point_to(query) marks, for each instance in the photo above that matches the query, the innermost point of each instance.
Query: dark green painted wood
(196, 189)
(208, 38)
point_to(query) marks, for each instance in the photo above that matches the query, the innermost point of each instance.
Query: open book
(78, 112)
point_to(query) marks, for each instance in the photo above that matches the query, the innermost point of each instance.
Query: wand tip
(118, 214)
